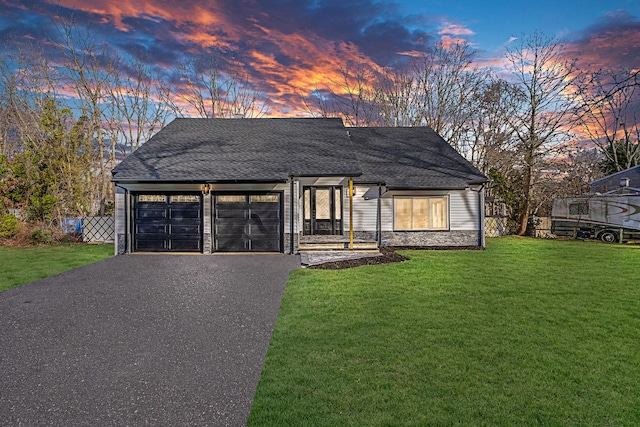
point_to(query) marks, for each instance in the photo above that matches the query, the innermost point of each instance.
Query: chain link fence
(98, 229)
(496, 226)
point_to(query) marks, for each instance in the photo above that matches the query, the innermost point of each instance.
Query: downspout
(351, 213)
(481, 237)
(291, 221)
(379, 217)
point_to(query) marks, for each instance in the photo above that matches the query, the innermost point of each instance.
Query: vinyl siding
(463, 210)
(120, 213)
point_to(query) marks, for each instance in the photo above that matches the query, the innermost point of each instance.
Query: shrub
(8, 226)
(41, 236)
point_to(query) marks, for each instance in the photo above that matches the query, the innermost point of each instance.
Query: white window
(421, 213)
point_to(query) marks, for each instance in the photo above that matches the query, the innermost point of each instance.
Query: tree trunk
(527, 190)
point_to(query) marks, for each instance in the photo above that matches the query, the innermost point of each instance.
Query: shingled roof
(411, 157)
(245, 150)
(218, 150)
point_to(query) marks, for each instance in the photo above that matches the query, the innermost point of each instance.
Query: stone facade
(122, 244)
(287, 243)
(431, 238)
(206, 225)
(453, 238)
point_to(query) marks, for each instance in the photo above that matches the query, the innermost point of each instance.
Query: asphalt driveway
(140, 340)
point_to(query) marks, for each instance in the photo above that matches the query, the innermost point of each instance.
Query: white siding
(120, 219)
(463, 210)
(120, 213)
(364, 211)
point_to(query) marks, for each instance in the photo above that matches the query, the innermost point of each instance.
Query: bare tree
(490, 139)
(355, 97)
(544, 76)
(609, 115)
(447, 84)
(138, 104)
(27, 82)
(437, 89)
(214, 93)
(87, 67)
(398, 92)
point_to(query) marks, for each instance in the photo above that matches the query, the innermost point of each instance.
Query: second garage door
(248, 222)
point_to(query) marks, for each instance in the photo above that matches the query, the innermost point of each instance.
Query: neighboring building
(628, 178)
(282, 185)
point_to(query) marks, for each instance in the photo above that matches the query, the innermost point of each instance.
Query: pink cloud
(455, 30)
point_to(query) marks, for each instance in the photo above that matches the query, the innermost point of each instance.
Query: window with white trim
(421, 213)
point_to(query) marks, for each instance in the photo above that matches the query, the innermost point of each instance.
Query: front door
(322, 210)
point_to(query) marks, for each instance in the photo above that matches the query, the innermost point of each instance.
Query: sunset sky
(289, 47)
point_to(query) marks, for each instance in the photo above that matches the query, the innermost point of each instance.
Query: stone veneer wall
(430, 238)
(122, 244)
(399, 238)
(207, 235)
(287, 243)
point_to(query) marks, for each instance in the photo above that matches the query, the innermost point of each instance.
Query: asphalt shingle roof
(199, 150)
(411, 157)
(242, 150)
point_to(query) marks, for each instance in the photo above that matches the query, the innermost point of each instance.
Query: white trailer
(607, 217)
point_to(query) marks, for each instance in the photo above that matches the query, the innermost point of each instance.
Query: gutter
(379, 216)
(198, 181)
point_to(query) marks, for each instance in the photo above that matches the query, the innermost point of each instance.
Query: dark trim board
(170, 225)
(248, 221)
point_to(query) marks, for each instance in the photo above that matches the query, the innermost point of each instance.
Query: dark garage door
(248, 222)
(168, 223)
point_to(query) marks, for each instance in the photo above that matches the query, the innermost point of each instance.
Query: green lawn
(528, 332)
(22, 265)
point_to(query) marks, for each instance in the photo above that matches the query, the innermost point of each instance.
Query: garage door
(248, 222)
(168, 223)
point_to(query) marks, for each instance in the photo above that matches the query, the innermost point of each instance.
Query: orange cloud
(609, 48)
(293, 66)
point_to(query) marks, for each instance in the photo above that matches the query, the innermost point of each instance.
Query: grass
(528, 332)
(23, 265)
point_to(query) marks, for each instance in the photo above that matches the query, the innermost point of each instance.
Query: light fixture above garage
(206, 188)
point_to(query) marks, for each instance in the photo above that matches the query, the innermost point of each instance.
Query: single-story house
(285, 185)
(618, 181)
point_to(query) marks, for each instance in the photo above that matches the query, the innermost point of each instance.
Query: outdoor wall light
(206, 188)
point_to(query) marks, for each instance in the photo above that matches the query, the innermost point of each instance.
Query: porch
(336, 243)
